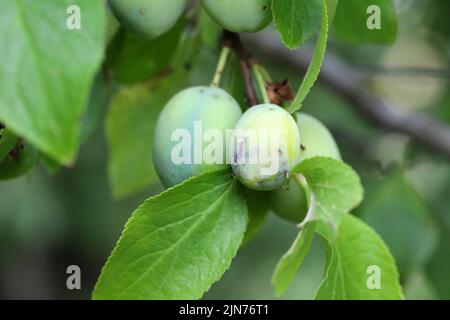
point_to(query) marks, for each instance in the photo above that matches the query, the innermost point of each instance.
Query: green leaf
(210, 31)
(390, 205)
(332, 6)
(233, 81)
(133, 58)
(439, 264)
(46, 80)
(52, 165)
(132, 118)
(351, 20)
(177, 244)
(314, 68)
(258, 209)
(336, 190)
(351, 259)
(296, 21)
(100, 97)
(288, 265)
(130, 126)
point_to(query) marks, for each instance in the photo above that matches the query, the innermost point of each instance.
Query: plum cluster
(262, 145)
(153, 18)
(297, 138)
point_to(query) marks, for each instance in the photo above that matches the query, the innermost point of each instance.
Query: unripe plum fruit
(265, 147)
(214, 109)
(150, 18)
(290, 203)
(240, 15)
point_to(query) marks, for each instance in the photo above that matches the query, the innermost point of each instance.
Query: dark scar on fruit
(302, 147)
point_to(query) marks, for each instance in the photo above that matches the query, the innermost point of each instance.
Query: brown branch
(399, 71)
(234, 41)
(348, 83)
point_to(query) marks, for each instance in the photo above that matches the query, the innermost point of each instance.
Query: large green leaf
(47, 70)
(288, 265)
(130, 126)
(132, 118)
(177, 244)
(296, 21)
(316, 63)
(336, 190)
(352, 259)
(332, 6)
(396, 212)
(438, 266)
(102, 91)
(258, 209)
(351, 18)
(133, 58)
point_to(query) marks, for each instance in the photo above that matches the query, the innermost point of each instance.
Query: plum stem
(225, 53)
(245, 59)
(261, 82)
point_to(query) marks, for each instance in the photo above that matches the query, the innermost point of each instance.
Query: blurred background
(49, 221)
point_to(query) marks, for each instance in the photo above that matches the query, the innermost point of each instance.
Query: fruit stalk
(246, 60)
(221, 65)
(261, 82)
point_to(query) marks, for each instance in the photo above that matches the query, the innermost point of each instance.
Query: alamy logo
(374, 277)
(374, 20)
(242, 146)
(73, 281)
(73, 21)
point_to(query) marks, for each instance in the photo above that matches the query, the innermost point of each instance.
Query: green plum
(290, 203)
(150, 18)
(189, 126)
(240, 15)
(265, 147)
(317, 140)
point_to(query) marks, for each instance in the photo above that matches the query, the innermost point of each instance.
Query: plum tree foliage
(225, 163)
(266, 146)
(238, 15)
(150, 18)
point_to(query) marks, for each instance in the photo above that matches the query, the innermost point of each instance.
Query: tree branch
(349, 84)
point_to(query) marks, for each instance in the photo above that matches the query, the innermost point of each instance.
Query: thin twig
(245, 59)
(261, 82)
(221, 65)
(398, 71)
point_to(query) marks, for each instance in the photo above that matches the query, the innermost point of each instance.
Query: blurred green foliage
(49, 221)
